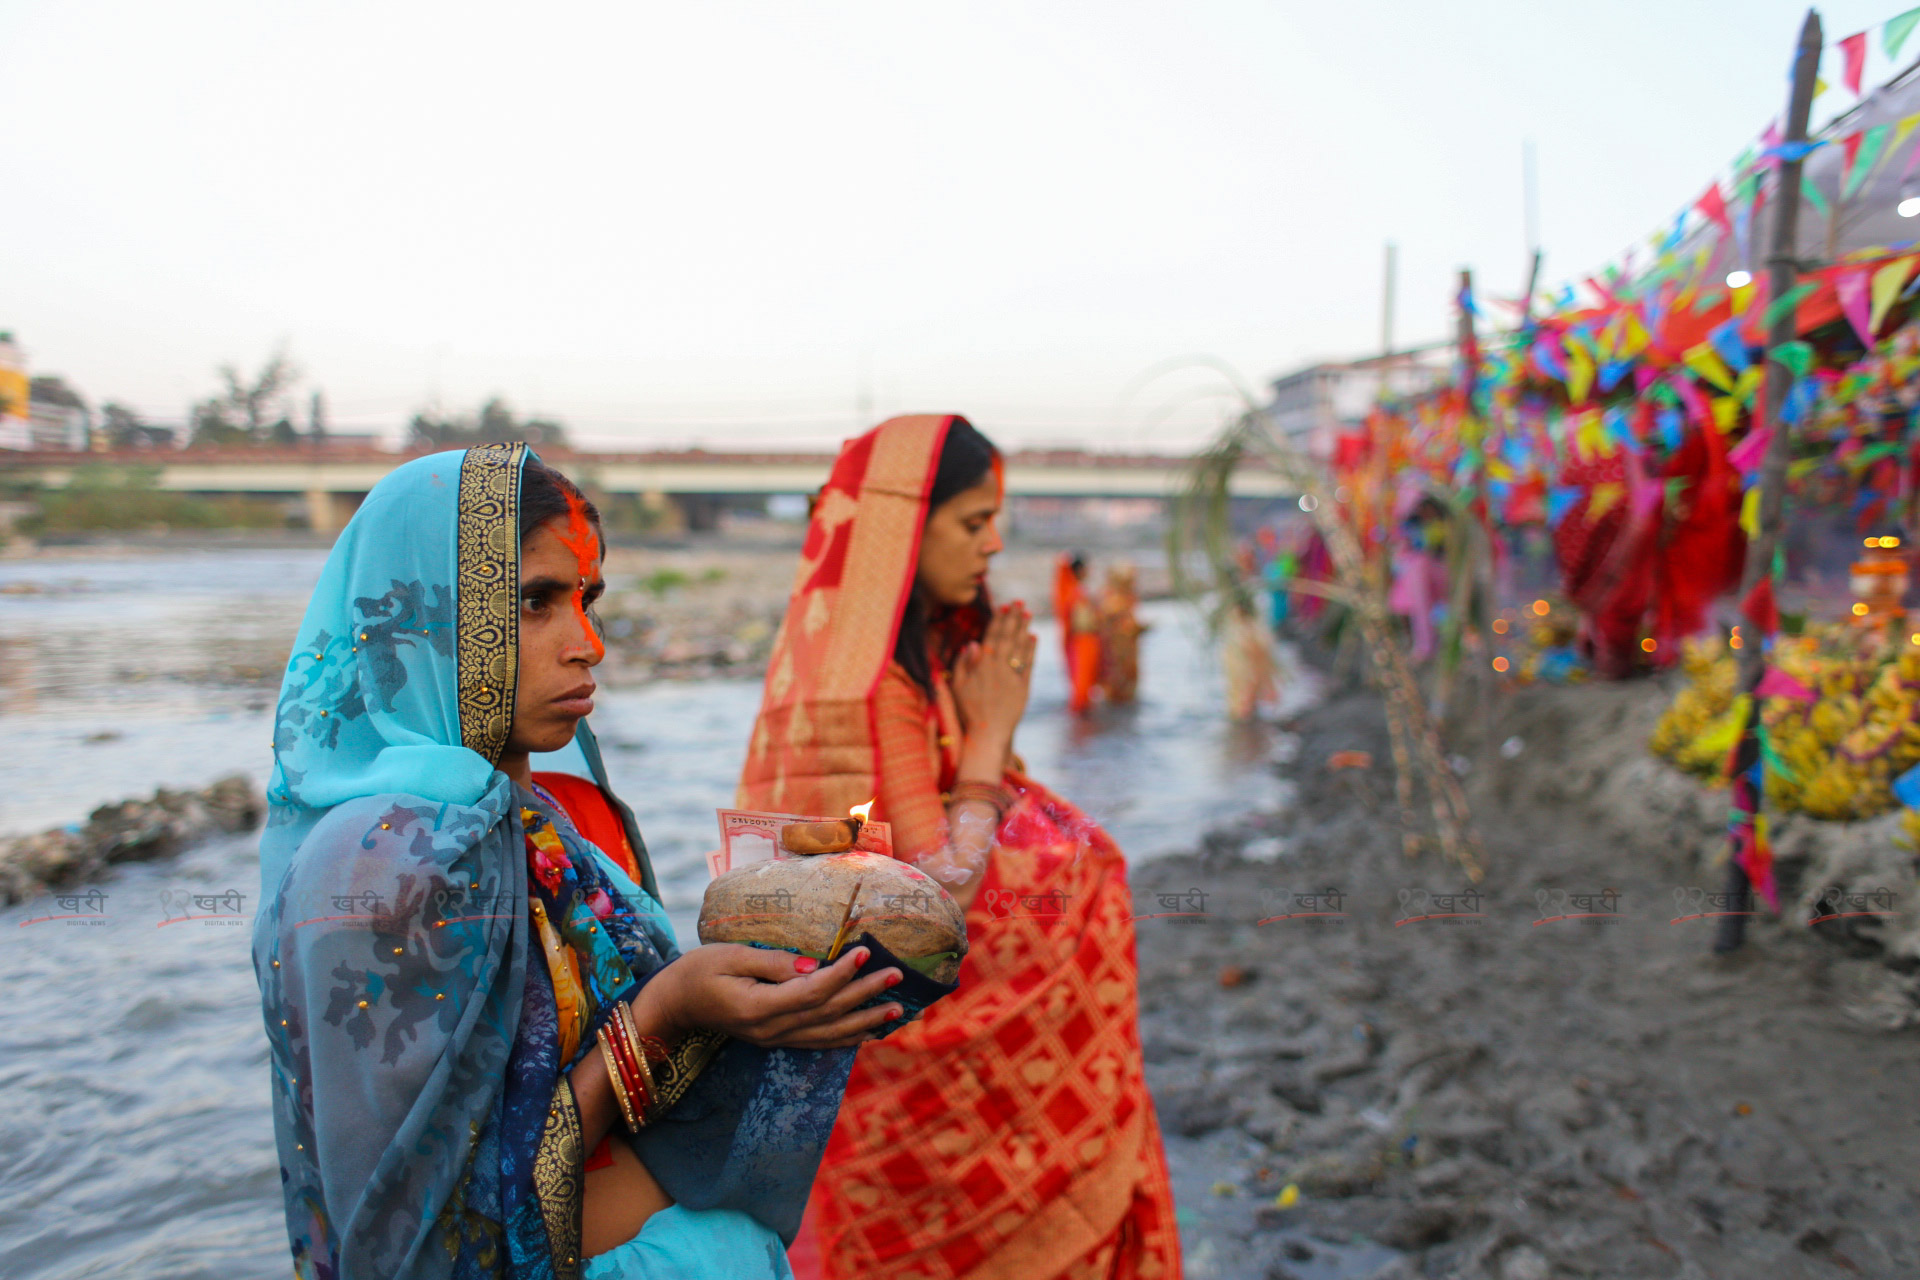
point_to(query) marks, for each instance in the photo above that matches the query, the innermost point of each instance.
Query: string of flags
(1865, 149)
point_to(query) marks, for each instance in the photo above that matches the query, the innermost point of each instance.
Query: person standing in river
(1079, 630)
(487, 1056)
(1008, 1132)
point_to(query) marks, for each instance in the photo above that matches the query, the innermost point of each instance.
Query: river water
(136, 1134)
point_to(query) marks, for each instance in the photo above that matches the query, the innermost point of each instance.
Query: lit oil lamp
(809, 838)
(1878, 581)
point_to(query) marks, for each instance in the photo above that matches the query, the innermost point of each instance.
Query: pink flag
(1854, 50)
(1778, 684)
(1856, 303)
(1747, 455)
(1713, 207)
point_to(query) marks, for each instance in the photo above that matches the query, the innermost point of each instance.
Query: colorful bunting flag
(1895, 32)
(1580, 371)
(1852, 288)
(1796, 356)
(1863, 157)
(1706, 362)
(1713, 207)
(1732, 347)
(1850, 147)
(1784, 305)
(1888, 281)
(1854, 50)
(1813, 196)
(1906, 126)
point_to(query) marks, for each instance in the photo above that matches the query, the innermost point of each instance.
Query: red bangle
(630, 1074)
(616, 1077)
(638, 1056)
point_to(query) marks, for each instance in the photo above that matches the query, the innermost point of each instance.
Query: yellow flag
(1592, 440)
(1579, 373)
(1738, 300)
(1888, 281)
(1907, 125)
(1719, 736)
(1706, 362)
(1726, 413)
(1750, 512)
(1750, 382)
(1605, 498)
(1636, 340)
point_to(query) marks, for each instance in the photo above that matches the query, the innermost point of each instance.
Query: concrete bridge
(333, 483)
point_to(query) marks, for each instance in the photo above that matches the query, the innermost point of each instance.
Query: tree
(495, 423)
(317, 419)
(124, 429)
(239, 414)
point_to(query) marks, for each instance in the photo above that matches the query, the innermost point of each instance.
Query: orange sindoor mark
(580, 539)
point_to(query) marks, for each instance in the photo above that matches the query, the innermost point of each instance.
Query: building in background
(16, 397)
(58, 418)
(1312, 407)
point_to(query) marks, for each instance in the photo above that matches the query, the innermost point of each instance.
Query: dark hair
(966, 459)
(544, 494)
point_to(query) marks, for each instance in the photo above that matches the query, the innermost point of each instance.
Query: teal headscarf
(424, 1122)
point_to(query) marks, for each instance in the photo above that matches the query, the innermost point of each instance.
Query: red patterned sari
(1009, 1132)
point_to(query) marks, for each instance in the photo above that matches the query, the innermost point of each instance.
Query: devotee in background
(488, 1058)
(1008, 1131)
(1247, 657)
(1120, 631)
(1419, 589)
(1079, 630)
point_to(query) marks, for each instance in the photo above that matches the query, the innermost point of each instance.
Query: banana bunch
(1839, 755)
(1706, 699)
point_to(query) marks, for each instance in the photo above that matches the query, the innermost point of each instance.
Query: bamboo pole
(1783, 271)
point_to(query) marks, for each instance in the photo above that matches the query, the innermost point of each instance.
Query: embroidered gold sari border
(487, 577)
(559, 1180)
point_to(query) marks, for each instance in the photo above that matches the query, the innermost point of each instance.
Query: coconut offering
(808, 905)
(820, 904)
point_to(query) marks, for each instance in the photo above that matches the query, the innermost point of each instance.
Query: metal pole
(1783, 270)
(1386, 301)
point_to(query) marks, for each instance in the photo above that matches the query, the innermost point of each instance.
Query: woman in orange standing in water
(1008, 1133)
(1079, 630)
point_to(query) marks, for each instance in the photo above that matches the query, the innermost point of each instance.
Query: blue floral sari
(407, 952)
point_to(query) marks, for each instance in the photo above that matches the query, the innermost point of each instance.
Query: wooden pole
(1783, 270)
(1533, 284)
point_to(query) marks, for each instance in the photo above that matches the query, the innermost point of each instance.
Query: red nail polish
(893, 976)
(893, 1013)
(805, 964)
(861, 956)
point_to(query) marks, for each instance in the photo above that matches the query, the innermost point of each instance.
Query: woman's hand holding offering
(991, 681)
(773, 999)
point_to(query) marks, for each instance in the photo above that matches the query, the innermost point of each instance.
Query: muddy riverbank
(1536, 1083)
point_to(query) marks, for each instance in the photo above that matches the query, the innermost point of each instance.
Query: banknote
(748, 836)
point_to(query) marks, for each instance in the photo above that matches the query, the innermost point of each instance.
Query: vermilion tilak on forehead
(580, 539)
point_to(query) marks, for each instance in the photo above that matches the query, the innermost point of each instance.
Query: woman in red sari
(1009, 1132)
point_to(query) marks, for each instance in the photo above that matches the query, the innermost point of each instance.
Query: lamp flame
(861, 811)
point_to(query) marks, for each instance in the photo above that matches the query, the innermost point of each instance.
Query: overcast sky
(718, 222)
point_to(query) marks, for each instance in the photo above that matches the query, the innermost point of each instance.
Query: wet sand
(1514, 1095)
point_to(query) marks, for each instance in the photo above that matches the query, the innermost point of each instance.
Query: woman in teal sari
(463, 996)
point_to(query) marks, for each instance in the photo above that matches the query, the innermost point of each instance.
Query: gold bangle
(984, 792)
(625, 1016)
(619, 1086)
